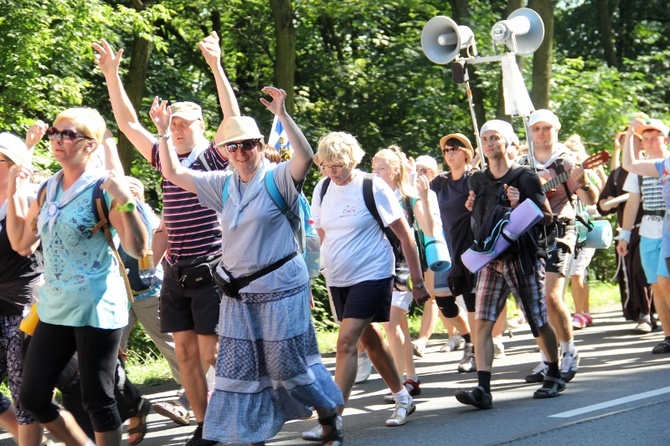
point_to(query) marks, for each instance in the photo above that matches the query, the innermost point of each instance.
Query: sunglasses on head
(247, 145)
(68, 134)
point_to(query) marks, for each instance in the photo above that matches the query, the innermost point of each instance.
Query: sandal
(174, 411)
(335, 437)
(551, 387)
(141, 427)
(662, 347)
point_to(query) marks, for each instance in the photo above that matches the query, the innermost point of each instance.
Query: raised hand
(160, 114)
(211, 50)
(35, 132)
(276, 106)
(106, 58)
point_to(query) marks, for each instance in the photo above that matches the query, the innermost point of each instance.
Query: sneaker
(475, 397)
(452, 344)
(174, 411)
(412, 388)
(316, 433)
(498, 348)
(197, 440)
(537, 376)
(569, 365)
(401, 412)
(364, 368)
(588, 318)
(578, 321)
(643, 327)
(468, 363)
(418, 349)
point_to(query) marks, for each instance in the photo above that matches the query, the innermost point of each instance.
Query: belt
(660, 213)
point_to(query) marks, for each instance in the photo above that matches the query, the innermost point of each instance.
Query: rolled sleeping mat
(600, 237)
(520, 220)
(437, 253)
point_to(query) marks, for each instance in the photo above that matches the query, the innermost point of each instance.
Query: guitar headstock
(596, 159)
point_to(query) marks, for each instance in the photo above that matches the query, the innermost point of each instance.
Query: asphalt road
(621, 396)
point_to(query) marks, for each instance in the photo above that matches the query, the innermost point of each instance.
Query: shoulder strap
(204, 162)
(101, 213)
(224, 192)
(41, 197)
(324, 189)
(271, 186)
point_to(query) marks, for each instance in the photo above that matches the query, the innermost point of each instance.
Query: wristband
(624, 235)
(166, 135)
(128, 206)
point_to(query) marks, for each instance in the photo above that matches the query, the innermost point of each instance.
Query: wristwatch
(420, 285)
(587, 186)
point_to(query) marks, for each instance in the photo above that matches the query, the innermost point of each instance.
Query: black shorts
(364, 300)
(184, 309)
(560, 260)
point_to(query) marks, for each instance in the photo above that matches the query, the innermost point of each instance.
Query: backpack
(309, 243)
(101, 215)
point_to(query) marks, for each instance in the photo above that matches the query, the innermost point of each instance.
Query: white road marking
(606, 404)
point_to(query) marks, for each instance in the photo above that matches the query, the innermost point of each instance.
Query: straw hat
(240, 128)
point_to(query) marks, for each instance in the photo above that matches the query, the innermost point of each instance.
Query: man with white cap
(647, 185)
(189, 302)
(19, 277)
(519, 269)
(552, 159)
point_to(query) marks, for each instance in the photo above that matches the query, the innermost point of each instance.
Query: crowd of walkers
(219, 284)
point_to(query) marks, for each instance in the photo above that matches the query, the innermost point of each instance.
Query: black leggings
(50, 350)
(449, 307)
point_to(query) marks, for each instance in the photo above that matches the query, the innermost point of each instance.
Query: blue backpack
(309, 243)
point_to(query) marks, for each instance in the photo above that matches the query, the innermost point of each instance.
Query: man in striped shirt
(189, 301)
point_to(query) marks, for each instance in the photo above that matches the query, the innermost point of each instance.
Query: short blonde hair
(87, 120)
(339, 147)
(393, 155)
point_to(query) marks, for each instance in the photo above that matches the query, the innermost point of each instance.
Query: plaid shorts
(500, 277)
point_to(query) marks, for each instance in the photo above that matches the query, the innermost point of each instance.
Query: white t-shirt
(354, 248)
(651, 226)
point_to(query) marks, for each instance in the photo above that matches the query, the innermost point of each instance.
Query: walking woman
(268, 368)
(83, 307)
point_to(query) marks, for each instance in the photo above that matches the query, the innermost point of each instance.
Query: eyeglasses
(247, 145)
(331, 168)
(448, 149)
(68, 134)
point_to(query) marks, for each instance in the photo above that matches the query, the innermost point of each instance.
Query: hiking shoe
(569, 365)
(316, 433)
(401, 412)
(475, 397)
(364, 368)
(498, 348)
(453, 343)
(418, 349)
(197, 440)
(468, 363)
(537, 376)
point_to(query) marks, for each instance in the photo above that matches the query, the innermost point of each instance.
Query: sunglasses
(448, 149)
(247, 145)
(70, 135)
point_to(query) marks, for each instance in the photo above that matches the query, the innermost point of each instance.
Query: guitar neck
(558, 179)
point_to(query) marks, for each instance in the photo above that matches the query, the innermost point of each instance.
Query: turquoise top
(83, 284)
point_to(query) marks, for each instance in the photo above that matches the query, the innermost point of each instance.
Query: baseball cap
(428, 161)
(544, 115)
(14, 148)
(653, 124)
(503, 128)
(189, 111)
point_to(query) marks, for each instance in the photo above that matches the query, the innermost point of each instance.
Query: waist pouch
(195, 272)
(231, 286)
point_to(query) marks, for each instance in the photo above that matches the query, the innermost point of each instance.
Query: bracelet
(587, 186)
(128, 206)
(166, 135)
(624, 235)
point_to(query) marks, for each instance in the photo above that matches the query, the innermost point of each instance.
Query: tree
(540, 92)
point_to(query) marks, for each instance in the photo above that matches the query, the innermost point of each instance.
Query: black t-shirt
(451, 197)
(16, 273)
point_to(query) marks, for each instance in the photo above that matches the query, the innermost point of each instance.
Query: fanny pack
(232, 286)
(195, 272)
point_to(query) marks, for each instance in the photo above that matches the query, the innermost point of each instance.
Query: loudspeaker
(442, 39)
(522, 32)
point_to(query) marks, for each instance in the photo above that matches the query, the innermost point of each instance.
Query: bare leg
(484, 345)
(662, 302)
(8, 422)
(30, 434)
(557, 310)
(109, 438)
(580, 294)
(66, 429)
(192, 373)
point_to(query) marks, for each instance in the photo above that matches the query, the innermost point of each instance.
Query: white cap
(544, 115)
(503, 128)
(14, 148)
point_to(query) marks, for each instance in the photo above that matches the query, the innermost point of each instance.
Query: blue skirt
(268, 369)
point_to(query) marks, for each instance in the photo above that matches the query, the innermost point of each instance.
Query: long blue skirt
(268, 369)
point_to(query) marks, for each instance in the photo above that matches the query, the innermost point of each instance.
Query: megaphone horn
(522, 32)
(442, 39)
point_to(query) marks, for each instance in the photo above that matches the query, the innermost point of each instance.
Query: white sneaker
(498, 348)
(468, 363)
(316, 433)
(452, 344)
(401, 412)
(538, 373)
(569, 365)
(364, 368)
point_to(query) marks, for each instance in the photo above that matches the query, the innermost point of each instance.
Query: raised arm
(641, 167)
(172, 170)
(19, 221)
(112, 160)
(211, 51)
(124, 113)
(128, 223)
(34, 134)
(303, 155)
(425, 208)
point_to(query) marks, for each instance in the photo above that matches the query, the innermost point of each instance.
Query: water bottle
(146, 266)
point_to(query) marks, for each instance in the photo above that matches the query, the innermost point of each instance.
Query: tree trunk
(137, 74)
(285, 57)
(605, 28)
(540, 93)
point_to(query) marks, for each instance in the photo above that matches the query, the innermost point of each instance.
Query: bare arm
(20, 217)
(424, 207)
(641, 167)
(402, 231)
(302, 151)
(629, 214)
(112, 160)
(211, 51)
(124, 113)
(129, 225)
(34, 134)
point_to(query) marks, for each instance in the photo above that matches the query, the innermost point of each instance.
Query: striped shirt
(193, 230)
